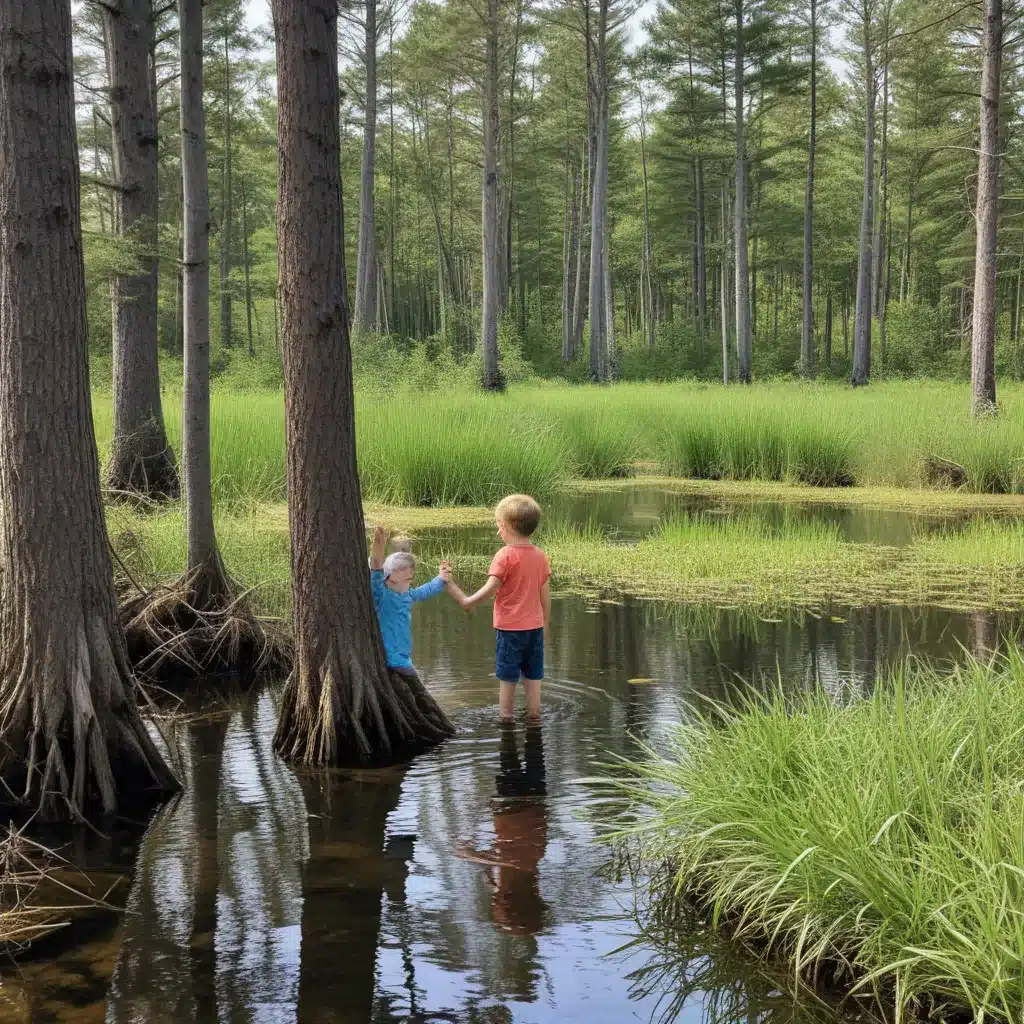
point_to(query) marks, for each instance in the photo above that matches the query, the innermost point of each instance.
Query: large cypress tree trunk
(340, 704)
(862, 316)
(71, 738)
(743, 330)
(807, 327)
(366, 254)
(492, 285)
(983, 333)
(140, 458)
(204, 561)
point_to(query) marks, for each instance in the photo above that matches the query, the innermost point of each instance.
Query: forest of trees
(527, 129)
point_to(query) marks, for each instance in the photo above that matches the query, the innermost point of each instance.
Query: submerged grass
(883, 837)
(466, 448)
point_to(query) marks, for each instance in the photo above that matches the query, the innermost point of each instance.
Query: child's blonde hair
(520, 512)
(401, 543)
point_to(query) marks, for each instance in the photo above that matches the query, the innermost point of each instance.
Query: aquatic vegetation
(879, 840)
(462, 447)
(741, 560)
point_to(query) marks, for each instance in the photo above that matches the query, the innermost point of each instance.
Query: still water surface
(465, 887)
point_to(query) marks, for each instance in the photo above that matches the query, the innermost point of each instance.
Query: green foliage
(883, 834)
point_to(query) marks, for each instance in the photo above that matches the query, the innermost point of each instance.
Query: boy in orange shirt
(518, 580)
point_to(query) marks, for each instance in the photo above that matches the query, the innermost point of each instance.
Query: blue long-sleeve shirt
(394, 613)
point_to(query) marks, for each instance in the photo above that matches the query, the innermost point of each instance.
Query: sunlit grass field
(881, 837)
(462, 447)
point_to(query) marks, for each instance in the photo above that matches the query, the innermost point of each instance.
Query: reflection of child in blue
(520, 835)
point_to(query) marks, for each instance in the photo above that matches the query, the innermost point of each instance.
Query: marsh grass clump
(878, 840)
(471, 451)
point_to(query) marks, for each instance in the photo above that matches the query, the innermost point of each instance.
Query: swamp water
(466, 887)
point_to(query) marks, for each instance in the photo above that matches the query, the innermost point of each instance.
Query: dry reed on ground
(24, 916)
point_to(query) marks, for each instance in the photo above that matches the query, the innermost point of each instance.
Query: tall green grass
(885, 836)
(464, 447)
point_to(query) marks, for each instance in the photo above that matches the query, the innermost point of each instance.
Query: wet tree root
(185, 630)
(71, 739)
(335, 714)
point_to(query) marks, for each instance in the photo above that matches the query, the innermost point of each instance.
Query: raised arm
(380, 540)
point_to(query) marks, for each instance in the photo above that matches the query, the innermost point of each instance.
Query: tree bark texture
(598, 248)
(140, 458)
(581, 258)
(743, 335)
(341, 704)
(983, 333)
(645, 282)
(203, 556)
(226, 213)
(862, 316)
(71, 738)
(491, 305)
(366, 252)
(807, 326)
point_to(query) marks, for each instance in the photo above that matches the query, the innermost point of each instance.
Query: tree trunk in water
(245, 264)
(226, 325)
(743, 337)
(341, 704)
(204, 561)
(366, 253)
(72, 742)
(493, 380)
(140, 458)
(807, 327)
(862, 316)
(983, 334)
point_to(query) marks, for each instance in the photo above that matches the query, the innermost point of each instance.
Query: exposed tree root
(334, 713)
(196, 627)
(143, 463)
(71, 738)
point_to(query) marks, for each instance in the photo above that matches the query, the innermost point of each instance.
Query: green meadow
(463, 448)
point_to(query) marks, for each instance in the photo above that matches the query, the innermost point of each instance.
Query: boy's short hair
(520, 512)
(398, 560)
(401, 543)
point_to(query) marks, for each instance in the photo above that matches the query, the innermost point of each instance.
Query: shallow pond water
(465, 887)
(634, 510)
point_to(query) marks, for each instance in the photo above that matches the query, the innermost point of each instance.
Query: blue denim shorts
(519, 653)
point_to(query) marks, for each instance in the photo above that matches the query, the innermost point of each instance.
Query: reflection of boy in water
(520, 835)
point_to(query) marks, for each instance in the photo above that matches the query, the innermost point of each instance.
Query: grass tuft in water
(882, 839)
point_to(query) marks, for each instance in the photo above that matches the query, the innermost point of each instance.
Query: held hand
(380, 534)
(445, 571)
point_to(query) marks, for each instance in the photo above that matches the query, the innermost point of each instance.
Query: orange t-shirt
(523, 569)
